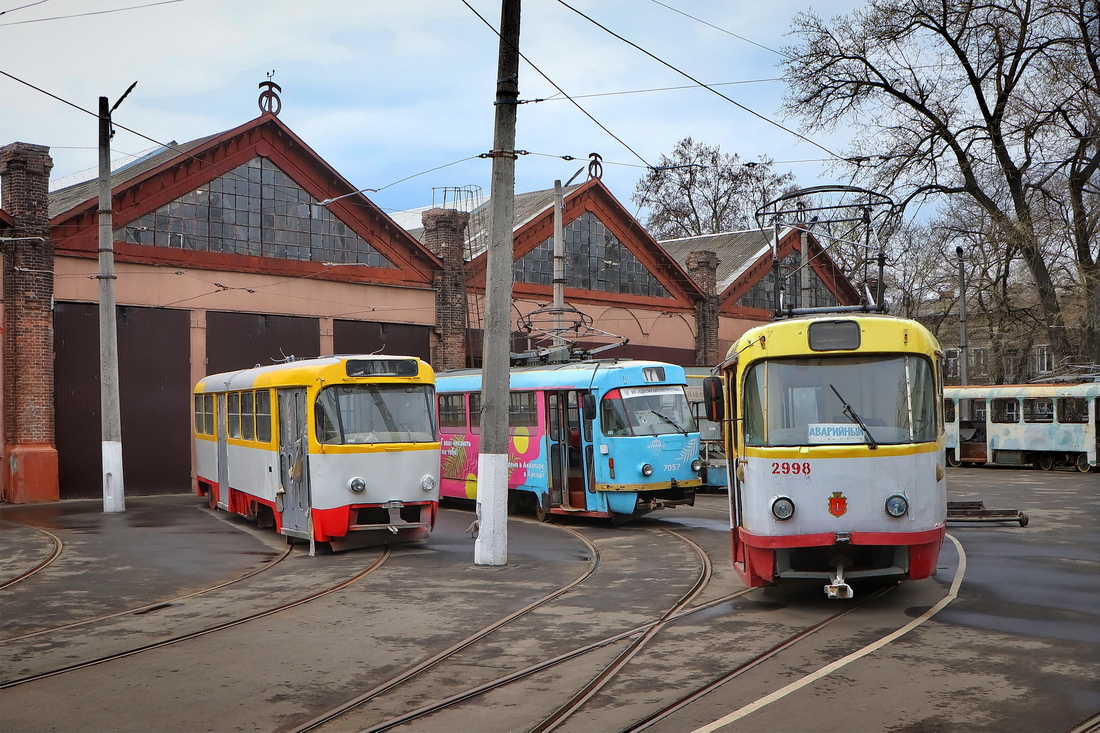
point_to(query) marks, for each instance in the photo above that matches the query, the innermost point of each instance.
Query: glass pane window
(200, 426)
(646, 411)
(1073, 409)
(1004, 410)
(263, 416)
(248, 415)
(233, 412)
(595, 259)
(475, 409)
(522, 412)
(375, 413)
(452, 411)
(257, 210)
(1038, 409)
(208, 413)
(823, 400)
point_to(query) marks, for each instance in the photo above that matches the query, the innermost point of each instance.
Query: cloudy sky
(388, 90)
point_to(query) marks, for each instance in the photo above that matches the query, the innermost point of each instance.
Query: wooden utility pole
(491, 547)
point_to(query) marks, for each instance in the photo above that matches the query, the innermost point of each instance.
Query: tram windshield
(376, 413)
(871, 400)
(646, 411)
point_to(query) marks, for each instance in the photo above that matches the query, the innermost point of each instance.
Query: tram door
(570, 441)
(221, 491)
(292, 498)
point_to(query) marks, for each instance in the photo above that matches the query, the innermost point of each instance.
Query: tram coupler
(838, 588)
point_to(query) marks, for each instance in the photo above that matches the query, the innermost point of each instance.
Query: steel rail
(385, 554)
(463, 644)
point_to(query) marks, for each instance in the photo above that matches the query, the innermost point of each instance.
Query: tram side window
(522, 411)
(475, 411)
(204, 414)
(248, 416)
(1073, 410)
(452, 412)
(233, 411)
(948, 409)
(1038, 409)
(263, 416)
(1005, 410)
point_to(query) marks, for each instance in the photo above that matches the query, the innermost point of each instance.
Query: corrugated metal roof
(66, 198)
(527, 206)
(736, 251)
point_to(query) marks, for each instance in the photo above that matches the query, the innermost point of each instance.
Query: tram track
(147, 607)
(640, 635)
(58, 547)
(206, 631)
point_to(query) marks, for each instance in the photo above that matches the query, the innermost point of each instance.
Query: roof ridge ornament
(269, 101)
(595, 166)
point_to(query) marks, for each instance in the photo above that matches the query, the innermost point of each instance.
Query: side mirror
(588, 406)
(713, 399)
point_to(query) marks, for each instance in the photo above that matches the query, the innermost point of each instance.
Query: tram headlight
(783, 508)
(428, 482)
(647, 470)
(897, 506)
(357, 485)
(696, 465)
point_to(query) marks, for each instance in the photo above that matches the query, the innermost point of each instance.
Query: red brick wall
(443, 235)
(30, 456)
(702, 265)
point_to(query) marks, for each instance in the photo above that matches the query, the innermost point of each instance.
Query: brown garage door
(397, 339)
(244, 340)
(154, 394)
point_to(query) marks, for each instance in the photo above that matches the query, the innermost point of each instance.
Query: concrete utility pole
(114, 494)
(559, 274)
(964, 348)
(491, 547)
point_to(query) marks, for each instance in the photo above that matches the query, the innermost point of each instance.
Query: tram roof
(302, 372)
(980, 391)
(565, 374)
(879, 333)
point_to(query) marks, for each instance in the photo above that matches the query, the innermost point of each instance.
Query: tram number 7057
(790, 467)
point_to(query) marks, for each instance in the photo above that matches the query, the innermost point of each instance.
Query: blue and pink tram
(834, 433)
(340, 449)
(1043, 425)
(602, 438)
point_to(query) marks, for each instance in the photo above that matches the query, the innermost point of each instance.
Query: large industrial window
(594, 260)
(255, 209)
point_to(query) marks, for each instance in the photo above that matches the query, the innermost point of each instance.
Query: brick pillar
(443, 234)
(30, 455)
(702, 265)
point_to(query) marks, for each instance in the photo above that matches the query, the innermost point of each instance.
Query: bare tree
(700, 190)
(993, 101)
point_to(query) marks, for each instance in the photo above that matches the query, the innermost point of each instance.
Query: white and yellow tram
(834, 431)
(341, 449)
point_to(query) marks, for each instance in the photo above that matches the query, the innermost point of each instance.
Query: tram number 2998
(791, 467)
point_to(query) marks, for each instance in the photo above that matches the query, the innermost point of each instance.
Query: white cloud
(387, 90)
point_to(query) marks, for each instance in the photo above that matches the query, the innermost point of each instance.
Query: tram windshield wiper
(670, 421)
(850, 413)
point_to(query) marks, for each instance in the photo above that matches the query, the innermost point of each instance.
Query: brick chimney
(443, 234)
(702, 265)
(29, 472)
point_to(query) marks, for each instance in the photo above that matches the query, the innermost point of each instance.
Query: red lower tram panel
(761, 560)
